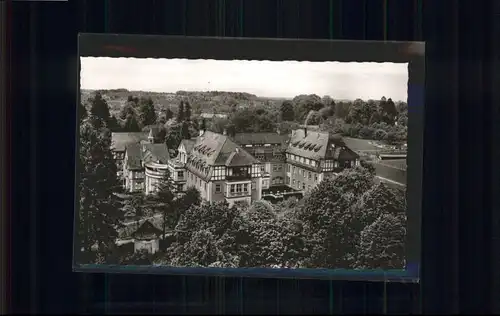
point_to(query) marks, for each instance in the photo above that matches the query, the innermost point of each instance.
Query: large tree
(99, 213)
(99, 109)
(180, 112)
(185, 133)
(326, 214)
(360, 112)
(270, 239)
(382, 243)
(303, 104)
(169, 114)
(207, 236)
(187, 111)
(147, 113)
(131, 125)
(286, 109)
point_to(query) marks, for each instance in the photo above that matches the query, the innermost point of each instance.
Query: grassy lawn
(358, 144)
(395, 163)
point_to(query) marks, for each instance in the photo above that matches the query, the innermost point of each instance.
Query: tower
(151, 138)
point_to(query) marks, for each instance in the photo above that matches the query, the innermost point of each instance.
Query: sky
(277, 79)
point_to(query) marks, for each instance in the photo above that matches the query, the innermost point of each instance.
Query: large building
(219, 168)
(141, 160)
(241, 167)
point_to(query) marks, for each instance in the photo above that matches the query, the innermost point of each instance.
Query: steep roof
(156, 152)
(260, 138)
(120, 140)
(136, 153)
(319, 145)
(188, 144)
(212, 149)
(133, 156)
(147, 231)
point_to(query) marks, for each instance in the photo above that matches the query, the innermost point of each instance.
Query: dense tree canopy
(99, 214)
(287, 112)
(147, 113)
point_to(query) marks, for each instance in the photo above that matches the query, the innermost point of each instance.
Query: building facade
(142, 160)
(243, 167)
(219, 168)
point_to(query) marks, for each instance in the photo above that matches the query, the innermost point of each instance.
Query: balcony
(237, 194)
(239, 177)
(180, 179)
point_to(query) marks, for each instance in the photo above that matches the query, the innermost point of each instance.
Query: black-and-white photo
(242, 163)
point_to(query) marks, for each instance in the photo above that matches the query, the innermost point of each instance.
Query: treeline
(382, 120)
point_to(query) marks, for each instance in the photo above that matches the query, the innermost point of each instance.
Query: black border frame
(413, 53)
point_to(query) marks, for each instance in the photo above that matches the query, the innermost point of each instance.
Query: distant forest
(177, 115)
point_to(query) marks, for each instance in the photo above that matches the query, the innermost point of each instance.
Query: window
(206, 186)
(336, 164)
(245, 187)
(315, 177)
(238, 187)
(303, 186)
(253, 185)
(180, 174)
(309, 175)
(232, 188)
(199, 182)
(179, 187)
(288, 168)
(287, 180)
(217, 188)
(293, 182)
(275, 167)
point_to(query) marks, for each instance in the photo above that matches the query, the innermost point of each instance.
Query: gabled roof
(147, 231)
(133, 156)
(156, 153)
(119, 141)
(213, 149)
(188, 144)
(260, 138)
(136, 153)
(319, 145)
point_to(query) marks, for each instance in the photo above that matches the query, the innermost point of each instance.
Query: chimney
(224, 132)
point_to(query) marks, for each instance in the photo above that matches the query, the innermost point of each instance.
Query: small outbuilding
(147, 237)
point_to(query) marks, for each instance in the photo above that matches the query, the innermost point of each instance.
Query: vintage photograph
(241, 163)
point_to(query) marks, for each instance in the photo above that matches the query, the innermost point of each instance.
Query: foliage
(287, 112)
(82, 112)
(99, 214)
(381, 244)
(147, 114)
(180, 112)
(99, 110)
(187, 112)
(303, 104)
(185, 133)
(253, 120)
(131, 125)
(206, 235)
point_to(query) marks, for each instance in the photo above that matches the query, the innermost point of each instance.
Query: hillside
(211, 101)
